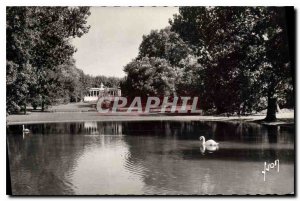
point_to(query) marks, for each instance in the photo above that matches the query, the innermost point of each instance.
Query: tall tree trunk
(25, 108)
(272, 107)
(43, 104)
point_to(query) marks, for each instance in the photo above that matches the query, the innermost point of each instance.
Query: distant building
(95, 93)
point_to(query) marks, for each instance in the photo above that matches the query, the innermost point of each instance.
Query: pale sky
(115, 35)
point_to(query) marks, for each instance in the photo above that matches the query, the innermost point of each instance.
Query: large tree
(38, 42)
(19, 40)
(212, 34)
(276, 74)
(149, 77)
(164, 44)
(165, 47)
(243, 52)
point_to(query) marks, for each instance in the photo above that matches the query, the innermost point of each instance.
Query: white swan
(209, 149)
(208, 142)
(25, 130)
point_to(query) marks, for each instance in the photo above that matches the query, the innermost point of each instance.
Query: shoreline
(67, 117)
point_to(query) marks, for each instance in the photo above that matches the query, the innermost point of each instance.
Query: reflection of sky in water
(150, 158)
(105, 164)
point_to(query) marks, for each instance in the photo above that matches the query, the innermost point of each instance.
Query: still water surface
(159, 157)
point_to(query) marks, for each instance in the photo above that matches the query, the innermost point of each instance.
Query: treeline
(40, 69)
(73, 84)
(236, 59)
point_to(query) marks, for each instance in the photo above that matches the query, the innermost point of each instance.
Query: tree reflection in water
(149, 158)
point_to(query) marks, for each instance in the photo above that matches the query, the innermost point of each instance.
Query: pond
(150, 158)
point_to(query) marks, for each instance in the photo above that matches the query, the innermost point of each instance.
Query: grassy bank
(80, 112)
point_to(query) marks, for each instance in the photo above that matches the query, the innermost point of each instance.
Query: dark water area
(150, 158)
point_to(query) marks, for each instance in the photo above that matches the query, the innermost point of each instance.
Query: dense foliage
(38, 42)
(40, 69)
(236, 59)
